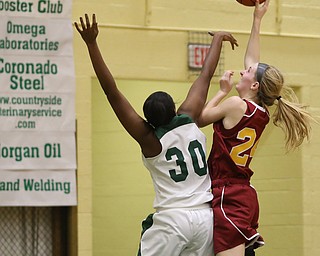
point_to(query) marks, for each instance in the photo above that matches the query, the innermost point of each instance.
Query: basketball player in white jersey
(173, 150)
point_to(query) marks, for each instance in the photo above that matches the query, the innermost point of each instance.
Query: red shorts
(236, 213)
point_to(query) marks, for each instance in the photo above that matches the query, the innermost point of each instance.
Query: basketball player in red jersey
(238, 123)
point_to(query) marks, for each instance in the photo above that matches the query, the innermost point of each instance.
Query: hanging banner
(37, 112)
(54, 150)
(37, 101)
(43, 37)
(37, 8)
(37, 75)
(36, 92)
(37, 188)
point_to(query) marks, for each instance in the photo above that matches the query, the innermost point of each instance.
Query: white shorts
(178, 232)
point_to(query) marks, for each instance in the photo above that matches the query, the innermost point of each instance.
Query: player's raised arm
(131, 121)
(252, 55)
(197, 95)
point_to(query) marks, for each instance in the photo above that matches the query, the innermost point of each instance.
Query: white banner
(42, 37)
(36, 8)
(34, 74)
(37, 112)
(37, 103)
(37, 187)
(37, 150)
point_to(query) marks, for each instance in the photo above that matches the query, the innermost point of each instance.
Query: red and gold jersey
(233, 149)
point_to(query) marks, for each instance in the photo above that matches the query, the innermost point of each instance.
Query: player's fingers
(94, 21)
(229, 73)
(232, 45)
(87, 20)
(226, 73)
(266, 3)
(211, 33)
(82, 23)
(234, 40)
(77, 27)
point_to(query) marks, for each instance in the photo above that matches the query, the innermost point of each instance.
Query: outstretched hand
(226, 83)
(88, 32)
(260, 9)
(227, 36)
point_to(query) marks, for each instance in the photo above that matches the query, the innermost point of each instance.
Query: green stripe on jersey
(177, 121)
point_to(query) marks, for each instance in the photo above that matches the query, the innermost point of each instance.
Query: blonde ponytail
(293, 118)
(290, 115)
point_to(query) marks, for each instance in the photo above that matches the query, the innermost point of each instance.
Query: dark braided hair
(159, 109)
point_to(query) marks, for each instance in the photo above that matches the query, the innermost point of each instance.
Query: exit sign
(197, 54)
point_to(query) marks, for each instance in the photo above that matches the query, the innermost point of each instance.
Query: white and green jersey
(179, 173)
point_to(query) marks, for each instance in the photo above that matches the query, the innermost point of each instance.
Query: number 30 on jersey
(193, 147)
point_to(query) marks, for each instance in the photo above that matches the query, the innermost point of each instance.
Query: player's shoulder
(234, 101)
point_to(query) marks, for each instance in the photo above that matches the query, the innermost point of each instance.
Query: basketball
(249, 2)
